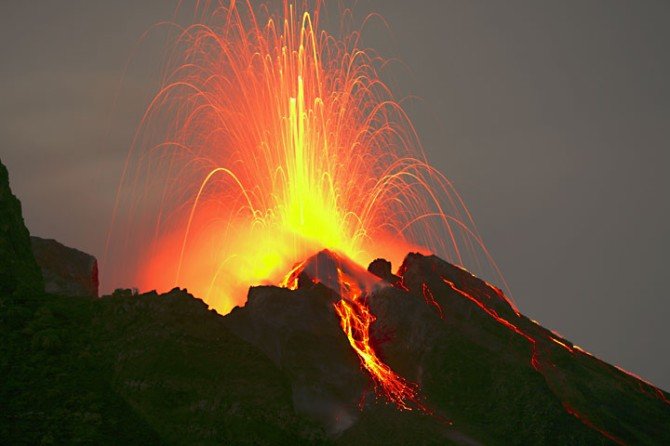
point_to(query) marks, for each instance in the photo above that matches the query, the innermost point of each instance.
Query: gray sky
(551, 118)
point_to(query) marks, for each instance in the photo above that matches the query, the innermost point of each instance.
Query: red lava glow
(534, 362)
(430, 300)
(271, 139)
(590, 424)
(353, 284)
(268, 140)
(542, 367)
(355, 320)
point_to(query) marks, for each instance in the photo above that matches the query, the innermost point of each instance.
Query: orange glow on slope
(430, 300)
(269, 140)
(542, 367)
(355, 320)
(534, 362)
(353, 283)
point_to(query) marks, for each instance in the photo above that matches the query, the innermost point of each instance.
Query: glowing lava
(282, 140)
(355, 319)
(353, 284)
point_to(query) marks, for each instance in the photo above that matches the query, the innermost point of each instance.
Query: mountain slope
(495, 369)
(126, 369)
(500, 377)
(19, 276)
(164, 369)
(139, 369)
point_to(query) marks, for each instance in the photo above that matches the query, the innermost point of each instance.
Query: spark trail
(270, 139)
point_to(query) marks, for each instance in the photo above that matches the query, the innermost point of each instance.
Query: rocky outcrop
(498, 376)
(66, 271)
(382, 269)
(165, 369)
(19, 274)
(299, 331)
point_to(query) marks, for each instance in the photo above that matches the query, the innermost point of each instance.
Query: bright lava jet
(268, 140)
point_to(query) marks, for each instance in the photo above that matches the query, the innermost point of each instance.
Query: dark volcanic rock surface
(66, 271)
(299, 331)
(164, 369)
(19, 274)
(382, 269)
(133, 369)
(501, 378)
(190, 378)
(492, 349)
(140, 369)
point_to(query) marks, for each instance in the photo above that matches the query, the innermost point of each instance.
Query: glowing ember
(281, 140)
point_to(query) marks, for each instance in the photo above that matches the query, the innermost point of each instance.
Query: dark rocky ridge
(19, 275)
(164, 369)
(131, 369)
(304, 339)
(499, 376)
(382, 269)
(534, 390)
(66, 271)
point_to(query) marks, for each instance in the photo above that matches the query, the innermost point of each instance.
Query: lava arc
(282, 139)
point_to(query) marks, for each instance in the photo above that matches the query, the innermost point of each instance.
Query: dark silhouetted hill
(164, 369)
(65, 270)
(19, 274)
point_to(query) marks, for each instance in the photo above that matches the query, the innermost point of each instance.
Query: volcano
(481, 371)
(269, 139)
(339, 354)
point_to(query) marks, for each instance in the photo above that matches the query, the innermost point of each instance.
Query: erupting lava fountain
(269, 140)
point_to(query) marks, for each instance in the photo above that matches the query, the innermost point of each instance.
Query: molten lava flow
(543, 367)
(352, 283)
(355, 319)
(268, 140)
(590, 424)
(534, 362)
(430, 300)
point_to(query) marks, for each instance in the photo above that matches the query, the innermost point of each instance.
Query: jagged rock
(66, 271)
(140, 369)
(477, 361)
(153, 369)
(299, 331)
(197, 383)
(19, 274)
(382, 269)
